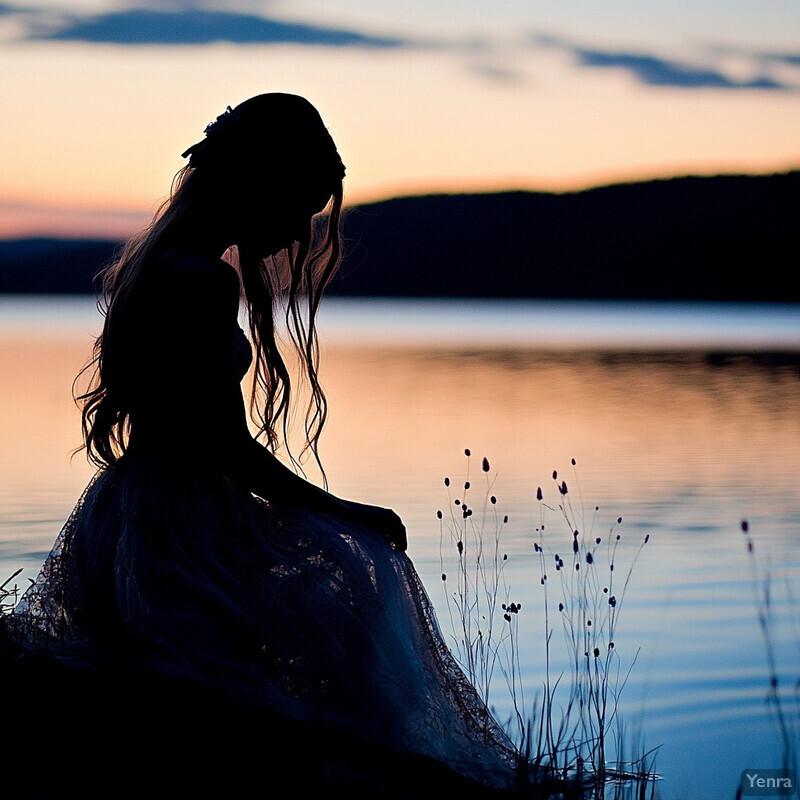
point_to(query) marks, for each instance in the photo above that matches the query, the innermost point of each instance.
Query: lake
(683, 420)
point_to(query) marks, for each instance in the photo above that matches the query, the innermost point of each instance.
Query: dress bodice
(179, 359)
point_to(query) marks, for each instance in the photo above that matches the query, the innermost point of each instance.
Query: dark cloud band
(657, 72)
(654, 71)
(198, 27)
(184, 23)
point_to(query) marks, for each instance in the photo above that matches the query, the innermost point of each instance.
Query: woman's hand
(382, 520)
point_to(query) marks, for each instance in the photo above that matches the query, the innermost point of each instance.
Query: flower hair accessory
(221, 124)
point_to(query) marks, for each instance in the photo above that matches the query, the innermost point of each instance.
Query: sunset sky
(99, 98)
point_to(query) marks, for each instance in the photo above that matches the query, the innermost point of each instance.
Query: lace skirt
(298, 613)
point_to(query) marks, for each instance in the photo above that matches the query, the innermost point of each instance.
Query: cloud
(497, 73)
(759, 56)
(658, 72)
(194, 26)
(792, 59)
(653, 71)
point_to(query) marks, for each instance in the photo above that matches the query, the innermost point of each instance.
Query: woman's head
(255, 186)
(264, 169)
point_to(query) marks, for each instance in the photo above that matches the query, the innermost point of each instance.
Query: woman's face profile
(275, 214)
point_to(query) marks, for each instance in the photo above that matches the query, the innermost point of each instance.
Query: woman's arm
(263, 474)
(213, 423)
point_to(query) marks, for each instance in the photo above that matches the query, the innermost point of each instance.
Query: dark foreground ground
(88, 734)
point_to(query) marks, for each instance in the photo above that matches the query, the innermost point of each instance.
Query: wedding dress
(185, 573)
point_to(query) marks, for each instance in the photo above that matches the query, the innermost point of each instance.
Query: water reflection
(651, 429)
(682, 445)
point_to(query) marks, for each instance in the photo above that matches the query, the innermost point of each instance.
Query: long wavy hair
(284, 289)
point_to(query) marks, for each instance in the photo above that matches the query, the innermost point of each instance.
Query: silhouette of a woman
(194, 552)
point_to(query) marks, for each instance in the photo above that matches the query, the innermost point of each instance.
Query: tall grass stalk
(9, 593)
(479, 583)
(784, 704)
(572, 730)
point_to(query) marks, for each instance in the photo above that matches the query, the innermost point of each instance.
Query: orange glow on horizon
(118, 221)
(98, 160)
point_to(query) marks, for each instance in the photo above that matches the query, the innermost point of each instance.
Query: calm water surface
(683, 420)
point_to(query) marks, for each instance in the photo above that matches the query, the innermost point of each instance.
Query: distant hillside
(721, 238)
(718, 238)
(53, 266)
